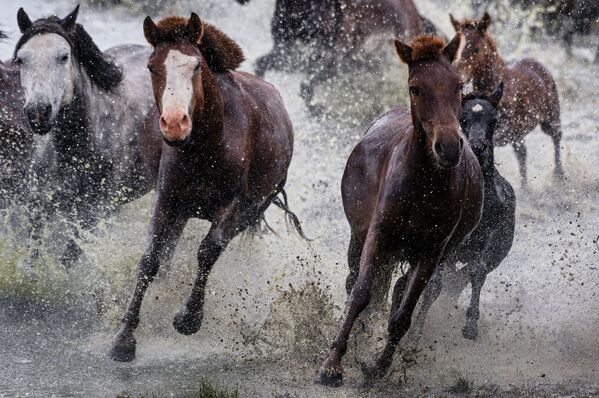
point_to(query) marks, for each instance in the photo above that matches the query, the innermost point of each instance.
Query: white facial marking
(47, 71)
(477, 108)
(178, 90)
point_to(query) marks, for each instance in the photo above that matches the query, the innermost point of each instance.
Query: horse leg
(165, 229)
(554, 131)
(431, 293)
(331, 371)
(353, 261)
(478, 275)
(274, 60)
(225, 226)
(401, 315)
(520, 150)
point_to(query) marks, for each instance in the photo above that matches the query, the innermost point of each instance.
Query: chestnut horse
(16, 138)
(530, 98)
(336, 29)
(97, 109)
(228, 145)
(412, 191)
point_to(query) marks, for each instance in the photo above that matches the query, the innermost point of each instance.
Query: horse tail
(282, 203)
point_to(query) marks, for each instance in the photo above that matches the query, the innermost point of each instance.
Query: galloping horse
(229, 142)
(336, 29)
(488, 245)
(16, 138)
(412, 191)
(97, 107)
(530, 96)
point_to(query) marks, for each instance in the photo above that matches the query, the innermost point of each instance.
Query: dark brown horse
(336, 29)
(412, 191)
(228, 145)
(530, 97)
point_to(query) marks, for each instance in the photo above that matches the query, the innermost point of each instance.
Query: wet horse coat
(412, 191)
(97, 108)
(228, 145)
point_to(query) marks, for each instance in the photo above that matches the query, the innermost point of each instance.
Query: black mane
(102, 70)
(476, 95)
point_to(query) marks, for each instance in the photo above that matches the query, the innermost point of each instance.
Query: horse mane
(101, 69)
(427, 47)
(220, 51)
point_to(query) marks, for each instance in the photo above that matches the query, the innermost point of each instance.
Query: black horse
(491, 241)
(335, 30)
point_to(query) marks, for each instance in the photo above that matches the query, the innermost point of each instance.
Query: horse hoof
(123, 348)
(470, 333)
(329, 377)
(187, 323)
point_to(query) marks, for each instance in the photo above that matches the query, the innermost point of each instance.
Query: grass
(462, 385)
(205, 389)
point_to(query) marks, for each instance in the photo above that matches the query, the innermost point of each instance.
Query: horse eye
(197, 68)
(64, 58)
(152, 69)
(18, 61)
(415, 91)
(476, 50)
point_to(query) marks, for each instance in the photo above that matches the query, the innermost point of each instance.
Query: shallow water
(274, 302)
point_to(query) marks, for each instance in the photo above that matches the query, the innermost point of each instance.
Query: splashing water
(274, 302)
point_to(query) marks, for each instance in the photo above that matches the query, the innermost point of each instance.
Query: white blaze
(477, 108)
(178, 90)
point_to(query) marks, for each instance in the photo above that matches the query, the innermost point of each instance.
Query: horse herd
(421, 186)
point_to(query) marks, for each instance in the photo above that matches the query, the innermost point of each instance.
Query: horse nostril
(438, 148)
(47, 112)
(461, 144)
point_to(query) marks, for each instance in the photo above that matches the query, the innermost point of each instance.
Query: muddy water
(274, 302)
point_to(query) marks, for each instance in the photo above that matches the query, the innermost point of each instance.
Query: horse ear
(404, 51)
(195, 28)
(484, 23)
(497, 95)
(453, 49)
(151, 32)
(68, 23)
(456, 24)
(23, 20)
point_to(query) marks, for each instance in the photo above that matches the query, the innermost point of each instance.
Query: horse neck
(492, 71)
(207, 133)
(73, 135)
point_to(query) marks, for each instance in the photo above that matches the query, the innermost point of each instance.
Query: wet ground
(274, 302)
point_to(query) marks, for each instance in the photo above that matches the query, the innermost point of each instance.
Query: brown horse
(530, 97)
(336, 29)
(228, 145)
(412, 191)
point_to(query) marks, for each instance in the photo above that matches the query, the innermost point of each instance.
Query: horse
(412, 191)
(335, 29)
(228, 146)
(97, 109)
(16, 139)
(489, 244)
(530, 98)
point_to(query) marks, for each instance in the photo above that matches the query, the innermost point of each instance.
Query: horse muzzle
(39, 117)
(448, 154)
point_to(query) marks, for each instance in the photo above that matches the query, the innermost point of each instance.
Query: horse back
(530, 97)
